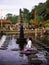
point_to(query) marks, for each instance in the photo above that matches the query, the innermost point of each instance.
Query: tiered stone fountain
(21, 40)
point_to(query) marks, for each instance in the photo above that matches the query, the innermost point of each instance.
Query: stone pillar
(21, 40)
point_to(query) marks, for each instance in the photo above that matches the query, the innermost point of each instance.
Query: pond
(9, 57)
(10, 53)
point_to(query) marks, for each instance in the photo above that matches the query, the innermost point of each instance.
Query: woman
(29, 44)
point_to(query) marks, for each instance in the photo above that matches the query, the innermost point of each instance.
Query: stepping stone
(36, 62)
(3, 48)
(28, 52)
(15, 49)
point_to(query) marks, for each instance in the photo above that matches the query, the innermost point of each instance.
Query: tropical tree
(39, 18)
(26, 15)
(9, 16)
(12, 18)
(31, 21)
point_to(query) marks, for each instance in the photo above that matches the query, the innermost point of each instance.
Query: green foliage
(40, 24)
(42, 14)
(32, 14)
(12, 18)
(47, 23)
(31, 21)
(9, 16)
(39, 18)
(43, 10)
(26, 15)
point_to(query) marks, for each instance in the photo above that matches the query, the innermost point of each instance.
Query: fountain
(21, 40)
(2, 33)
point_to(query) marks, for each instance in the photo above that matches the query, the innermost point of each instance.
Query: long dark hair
(30, 38)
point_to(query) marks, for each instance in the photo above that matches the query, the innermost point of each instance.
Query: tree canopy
(42, 13)
(12, 18)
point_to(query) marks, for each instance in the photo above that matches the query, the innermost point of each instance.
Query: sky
(13, 6)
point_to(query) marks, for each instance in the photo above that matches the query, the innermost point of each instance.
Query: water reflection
(12, 44)
(11, 57)
(2, 40)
